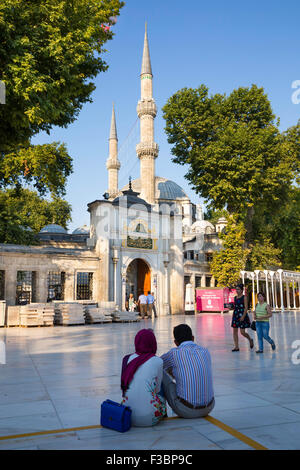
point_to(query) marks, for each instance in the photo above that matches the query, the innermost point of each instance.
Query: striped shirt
(191, 367)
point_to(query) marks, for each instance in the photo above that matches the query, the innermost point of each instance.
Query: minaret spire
(112, 163)
(147, 149)
(146, 63)
(113, 127)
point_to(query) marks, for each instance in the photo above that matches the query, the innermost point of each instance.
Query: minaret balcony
(146, 107)
(113, 164)
(147, 149)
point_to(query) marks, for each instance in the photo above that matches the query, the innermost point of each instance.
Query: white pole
(267, 287)
(253, 292)
(281, 289)
(272, 287)
(294, 295)
(257, 273)
(288, 303)
(275, 284)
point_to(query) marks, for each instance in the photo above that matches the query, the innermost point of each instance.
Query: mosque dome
(84, 230)
(164, 189)
(53, 228)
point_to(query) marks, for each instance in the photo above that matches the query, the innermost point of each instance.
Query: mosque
(147, 236)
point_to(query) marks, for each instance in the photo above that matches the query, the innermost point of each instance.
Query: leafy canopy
(236, 154)
(23, 209)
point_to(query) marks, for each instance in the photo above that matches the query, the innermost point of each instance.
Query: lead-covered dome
(84, 230)
(53, 228)
(164, 189)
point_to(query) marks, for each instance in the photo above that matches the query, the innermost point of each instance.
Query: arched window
(140, 228)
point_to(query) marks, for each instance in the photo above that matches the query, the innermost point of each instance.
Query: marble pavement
(56, 378)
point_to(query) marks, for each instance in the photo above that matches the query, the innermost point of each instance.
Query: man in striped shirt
(192, 395)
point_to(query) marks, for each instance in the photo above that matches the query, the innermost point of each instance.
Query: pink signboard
(213, 300)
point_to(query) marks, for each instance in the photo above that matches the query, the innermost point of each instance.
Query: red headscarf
(145, 347)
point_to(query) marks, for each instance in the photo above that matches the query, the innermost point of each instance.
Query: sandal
(235, 349)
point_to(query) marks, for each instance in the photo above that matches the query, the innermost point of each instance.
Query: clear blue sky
(223, 44)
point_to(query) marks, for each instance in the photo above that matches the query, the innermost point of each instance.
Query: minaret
(112, 163)
(147, 149)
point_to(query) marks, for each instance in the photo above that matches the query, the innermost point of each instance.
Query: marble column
(288, 300)
(294, 295)
(10, 285)
(70, 279)
(166, 296)
(281, 289)
(41, 286)
(267, 287)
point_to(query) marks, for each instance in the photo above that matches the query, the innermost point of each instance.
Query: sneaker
(273, 346)
(259, 352)
(235, 349)
(251, 343)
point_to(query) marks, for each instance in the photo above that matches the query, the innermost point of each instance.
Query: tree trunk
(249, 226)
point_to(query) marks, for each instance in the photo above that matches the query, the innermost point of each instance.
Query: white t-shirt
(143, 299)
(142, 396)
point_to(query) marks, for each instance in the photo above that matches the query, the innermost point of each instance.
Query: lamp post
(115, 260)
(166, 296)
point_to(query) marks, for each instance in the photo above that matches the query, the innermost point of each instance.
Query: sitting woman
(141, 380)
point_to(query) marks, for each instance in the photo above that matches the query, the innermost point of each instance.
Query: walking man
(151, 306)
(143, 305)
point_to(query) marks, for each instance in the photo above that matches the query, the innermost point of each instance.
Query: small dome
(222, 220)
(84, 230)
(53, 228)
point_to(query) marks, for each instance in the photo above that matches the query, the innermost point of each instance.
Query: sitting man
(192, 395)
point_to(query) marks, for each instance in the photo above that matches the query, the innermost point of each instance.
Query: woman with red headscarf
(141, 380)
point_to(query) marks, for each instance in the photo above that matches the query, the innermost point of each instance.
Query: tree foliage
(231, 258)
(23, 210)
(50, 52)
(238, 159)
(264, 255)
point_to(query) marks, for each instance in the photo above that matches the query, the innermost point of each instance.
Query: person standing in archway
(143, 305)
(240, 318)
(150, 305)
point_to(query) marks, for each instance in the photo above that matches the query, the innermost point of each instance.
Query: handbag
(253, 325)
(115, 416)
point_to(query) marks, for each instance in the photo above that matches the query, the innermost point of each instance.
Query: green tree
(264, 255)
(231, 258)
(23, 213)
(238, 159)
(50, 52)
(284, 230)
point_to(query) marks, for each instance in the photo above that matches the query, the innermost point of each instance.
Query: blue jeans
(262, 330)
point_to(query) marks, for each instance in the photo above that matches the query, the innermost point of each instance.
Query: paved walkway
(56, 378)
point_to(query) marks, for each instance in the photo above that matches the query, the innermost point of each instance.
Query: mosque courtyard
(55, 379)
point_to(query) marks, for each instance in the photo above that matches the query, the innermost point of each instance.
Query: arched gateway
(138, 278)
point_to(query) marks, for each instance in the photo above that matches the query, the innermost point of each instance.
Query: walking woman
(261, 316)
(240, 318)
